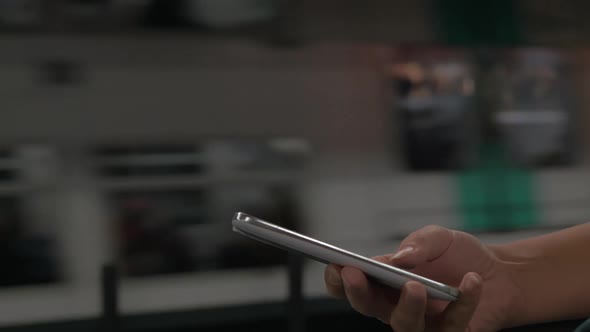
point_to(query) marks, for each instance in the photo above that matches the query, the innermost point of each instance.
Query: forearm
(552, 273)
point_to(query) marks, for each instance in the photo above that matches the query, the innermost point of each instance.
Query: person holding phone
(536, 280)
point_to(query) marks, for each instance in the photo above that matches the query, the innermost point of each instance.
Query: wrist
(511, 270)
(550, 281)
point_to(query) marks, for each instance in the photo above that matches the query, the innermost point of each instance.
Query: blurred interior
(132, 130)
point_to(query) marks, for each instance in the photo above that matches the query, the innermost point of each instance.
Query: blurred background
(132, 130)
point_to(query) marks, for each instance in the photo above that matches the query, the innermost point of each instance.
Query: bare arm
(541, 279)
(553, 274)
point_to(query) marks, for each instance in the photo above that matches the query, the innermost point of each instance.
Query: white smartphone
(391, 276)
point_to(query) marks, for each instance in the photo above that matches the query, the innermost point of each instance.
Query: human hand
(455, 258)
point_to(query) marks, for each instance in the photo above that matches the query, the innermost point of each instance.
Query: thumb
(457, 315)
(422, 246)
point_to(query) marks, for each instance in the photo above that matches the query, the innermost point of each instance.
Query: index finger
(333, 281)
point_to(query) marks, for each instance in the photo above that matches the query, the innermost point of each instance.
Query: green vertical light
(494, 194)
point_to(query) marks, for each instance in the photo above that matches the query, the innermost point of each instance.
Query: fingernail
(334, 277)
(412, 291)
(402, 252)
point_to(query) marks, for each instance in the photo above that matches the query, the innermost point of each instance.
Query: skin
(501, 286)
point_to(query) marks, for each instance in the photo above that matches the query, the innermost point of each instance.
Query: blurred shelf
(149, 160)
(178, 182)
(259, 177)
(195, 318)
(156, 183)
(42, 304)
(73, 301)
(262, 311)
(203, 290)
